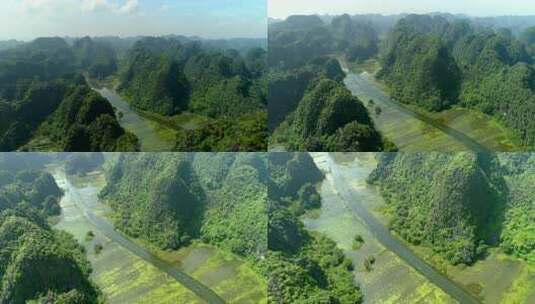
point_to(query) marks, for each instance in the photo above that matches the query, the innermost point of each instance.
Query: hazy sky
(283, 8)
(27, 19)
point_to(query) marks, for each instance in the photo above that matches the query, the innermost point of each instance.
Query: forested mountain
(329, 118)
(167, 76)
(309, 107)
(303, 266)
(39, 86)
(287, 87)
(517, 237)
(37, 262)
(299, 39)
(436, 62)
(98, 59)
(459, 204)
(8, 44)
(217, 198)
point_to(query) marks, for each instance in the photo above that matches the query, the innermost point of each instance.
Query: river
(144, 129)
(107, 229)
(353, 201)
(456, 129)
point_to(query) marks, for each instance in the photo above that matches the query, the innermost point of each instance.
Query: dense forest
(168, 76)
(43, 95)
(309, 107)
(460, 204)
(304, 267)
(436, 62)
(433, 61)
(37, 263)
(217, 198)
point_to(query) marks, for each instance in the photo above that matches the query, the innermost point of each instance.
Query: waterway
(456, 129)
(148, 132)
(400, 276)
(82, 203)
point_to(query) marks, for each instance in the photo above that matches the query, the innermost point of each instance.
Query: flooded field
(412, 129)
(129, 273)
(391, 280)
(153, 136)
(232, 278)
(156, 133)
(496, 279)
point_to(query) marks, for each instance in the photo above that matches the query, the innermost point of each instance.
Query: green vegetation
(518, 232)
(36, 262)
(329, 118)
(246, 133)
(45, 104)
(90, 235)
(303, 267)
(435, 62)
(368, 263)
(41, 95)
(419, 68)
(287, 87)
(89, 122)
(300, 39)
(222, 199)
(98, 248)
(169, 77)
(460, 204)
(358, 241)
(82, 163)
(309, 107)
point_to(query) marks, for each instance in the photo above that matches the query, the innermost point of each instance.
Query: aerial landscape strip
(391, 243)
(109, 231)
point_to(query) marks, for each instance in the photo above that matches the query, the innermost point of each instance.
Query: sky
(28, 19)
(284, 8)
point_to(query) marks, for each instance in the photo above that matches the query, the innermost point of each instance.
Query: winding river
(131, 121)
(107, 229)
(354, 201)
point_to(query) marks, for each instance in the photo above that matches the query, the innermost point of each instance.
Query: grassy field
(229, 275)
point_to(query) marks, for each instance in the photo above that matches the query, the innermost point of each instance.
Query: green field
(498, 278)
(412, 134)
(125, 278)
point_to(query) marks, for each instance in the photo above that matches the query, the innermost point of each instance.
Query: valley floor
(125, 277)
(413, 129)
(497, 279)
(156, 133)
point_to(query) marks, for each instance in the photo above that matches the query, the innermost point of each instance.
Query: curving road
(351, 198)
(109, 231)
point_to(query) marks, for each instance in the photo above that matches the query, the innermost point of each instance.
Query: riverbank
(125, 277)
(499, 278)
(414, 129)
(157, 133)
(391, 280)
